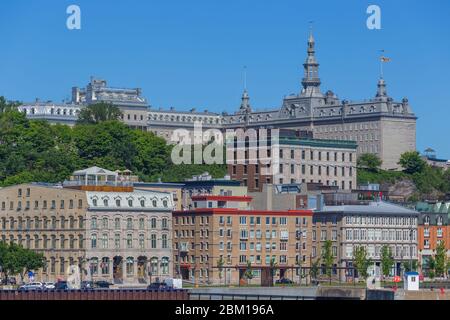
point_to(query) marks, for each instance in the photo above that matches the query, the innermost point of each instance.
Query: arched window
(129, 223)
(426, 220)
(165, 203)
(164, 265)
(105, 241)
(105, 266)
(154, 265)
(154, 203)
(153, 223)
(164, 242)
(93, 266)
(93, 241)
(164, 224)
(130, 266)
(439, 220)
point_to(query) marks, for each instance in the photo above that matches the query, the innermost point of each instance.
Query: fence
(122, 294)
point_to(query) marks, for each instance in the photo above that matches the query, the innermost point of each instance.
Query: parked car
(284, 281)
(9, 281)
(157, 286)
(49, 285)
(32, 286)
(102, 284)
(87, 285)
(61, 285)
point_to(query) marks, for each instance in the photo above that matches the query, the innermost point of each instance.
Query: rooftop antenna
(245, 78)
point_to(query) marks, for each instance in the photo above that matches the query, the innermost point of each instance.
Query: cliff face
(400, 189)
(405, 189)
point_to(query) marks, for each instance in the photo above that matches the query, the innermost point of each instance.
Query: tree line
(36, 151)
(431, 183)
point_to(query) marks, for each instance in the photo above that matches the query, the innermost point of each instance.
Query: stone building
(380, 125)
(218, 230)
(300, 160)
(97, 221)
(369, 224)
(434, 228)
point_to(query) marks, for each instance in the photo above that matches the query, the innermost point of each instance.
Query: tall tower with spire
(311, 81)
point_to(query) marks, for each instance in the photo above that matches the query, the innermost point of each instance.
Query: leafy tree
(387, 260)
(6, 106)
(220, 264)
(369, 161)
(409, 266)
(248, 272)
(361, 262)
(99, 112)
(412, 162)
(314, 270)
(441, 259)
(431, 268)
(327, 257)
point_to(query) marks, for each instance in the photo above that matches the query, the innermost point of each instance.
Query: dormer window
(426, 220)
(94, 202)
(117, 202)
(105, 202)
(154, 203)
(439, 220)
(130, 202)
(165, 203)
(142, 203)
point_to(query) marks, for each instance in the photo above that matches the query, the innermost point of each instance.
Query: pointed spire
(381, 91)
(245, 104)
(311, 81)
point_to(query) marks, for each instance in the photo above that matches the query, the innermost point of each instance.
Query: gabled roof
(94, 170)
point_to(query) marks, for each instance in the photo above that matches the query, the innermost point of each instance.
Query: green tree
(361, 262)
(412, 162)
(273, 268)
(409, 266)
(441, 259)
(220, 264)
(248, 274)
(431, 267)
(99, 112)
(327, 257)
(314, 270)
(6, 106)
(369, 161)
(387, 260)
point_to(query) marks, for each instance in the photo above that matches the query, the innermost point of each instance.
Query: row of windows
(374, 251)
(190, 220)
(130, 202)
(380, 235)
(162, 117)
(44, 204)
(45, 223)
(48, 242)
(385, 221)
(104, 223)
(348, 127)
(103, 241)
(312, 155)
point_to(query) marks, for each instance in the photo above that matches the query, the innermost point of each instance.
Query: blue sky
(191, 53)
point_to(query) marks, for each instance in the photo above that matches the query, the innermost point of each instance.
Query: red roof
(222, 198)
(235, 211)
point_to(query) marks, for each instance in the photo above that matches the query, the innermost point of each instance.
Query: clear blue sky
(191, 53)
